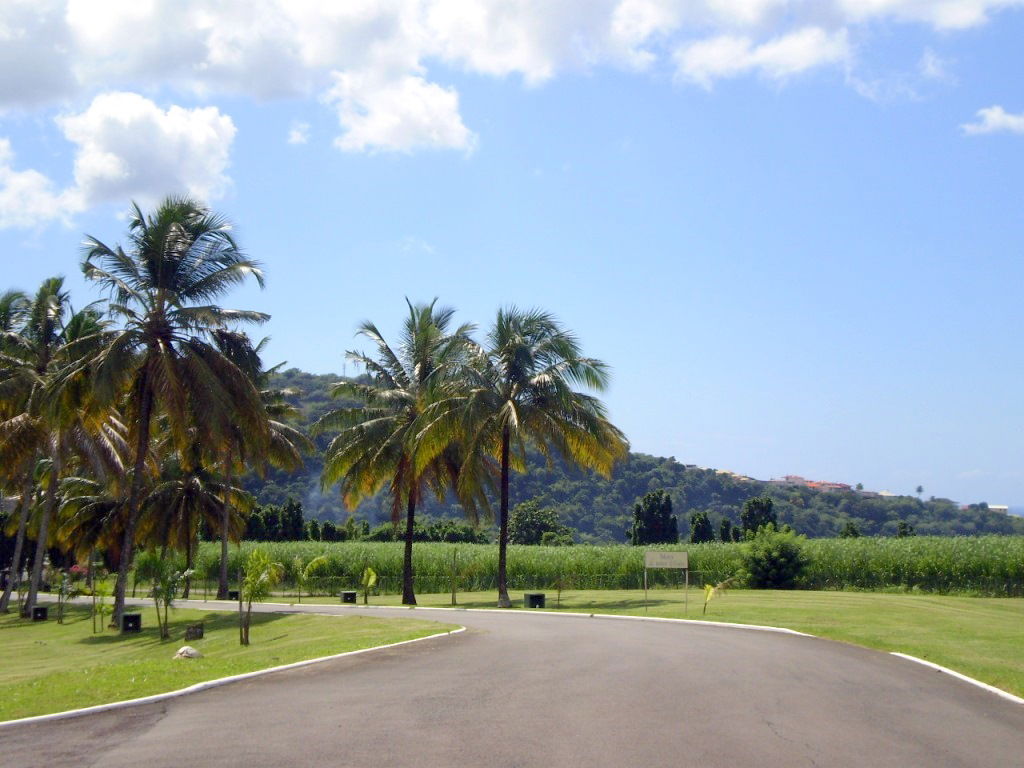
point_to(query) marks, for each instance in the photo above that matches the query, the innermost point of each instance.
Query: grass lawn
(50, 667)
(980, 637)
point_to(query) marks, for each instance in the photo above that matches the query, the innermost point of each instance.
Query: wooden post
(455, 577)
(645, 590)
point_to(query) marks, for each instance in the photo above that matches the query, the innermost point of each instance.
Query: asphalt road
(522, 690)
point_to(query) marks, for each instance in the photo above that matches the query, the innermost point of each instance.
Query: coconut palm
(186, 496)
(179, 258)
(51, 414)
(284, 445)
(377, 442)
(519, 390)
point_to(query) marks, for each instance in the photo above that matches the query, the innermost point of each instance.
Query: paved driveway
(522, 689)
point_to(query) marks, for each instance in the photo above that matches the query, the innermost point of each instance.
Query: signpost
(672, 560)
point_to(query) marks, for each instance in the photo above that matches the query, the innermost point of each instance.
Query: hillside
(600, 509)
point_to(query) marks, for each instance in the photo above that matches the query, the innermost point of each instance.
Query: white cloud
(705, 61)
(298, 133)
(27, 198)
(129, 148)
(995, 119)
(398, 116)
(932, 67)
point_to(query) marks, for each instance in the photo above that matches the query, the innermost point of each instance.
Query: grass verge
(977, 636)
(49, 667)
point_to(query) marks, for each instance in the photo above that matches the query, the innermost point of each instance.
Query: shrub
(774, 559)
(530, 523)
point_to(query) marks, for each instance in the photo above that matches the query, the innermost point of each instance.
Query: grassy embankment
(50, 667)
(980, 637)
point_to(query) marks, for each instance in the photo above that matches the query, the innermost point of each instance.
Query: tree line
(134, 421)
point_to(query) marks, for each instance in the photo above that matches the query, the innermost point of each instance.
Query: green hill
(600, 509)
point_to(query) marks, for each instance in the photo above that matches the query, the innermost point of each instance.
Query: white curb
(504, 612)
(210, 683)
(939, 668)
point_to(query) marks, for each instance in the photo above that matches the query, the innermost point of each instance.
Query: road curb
(211, 683)
(573, 614)
(960, 676)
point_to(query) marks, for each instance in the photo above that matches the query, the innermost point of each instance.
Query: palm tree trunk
(44, 529)
(128, 545)
(19, 542)
(408, 593)
(503, 601)
(222, 584)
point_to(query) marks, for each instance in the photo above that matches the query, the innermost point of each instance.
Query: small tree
(758, 511)
(166, 581)
(369, 581)
(904, 529)
(849, 531)
(653, 521)
(700, 528)
(261, 576)
(725, 530)
(774, 559)
(67, 589)
(313, 530)
(316, 569)
(530, 523)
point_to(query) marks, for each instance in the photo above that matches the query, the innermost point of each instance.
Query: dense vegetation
(601, 510)
(984, 565)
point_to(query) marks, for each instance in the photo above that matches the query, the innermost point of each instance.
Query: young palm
(377, 444)
(179, 259)
(519, 390)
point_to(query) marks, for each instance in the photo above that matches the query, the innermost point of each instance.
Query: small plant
(101, 590)
(710, 592)
(774, 559)
(67, 589)
(261, 576)
(166, 582)
(369, 581)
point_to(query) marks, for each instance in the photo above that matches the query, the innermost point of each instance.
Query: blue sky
(792, 228)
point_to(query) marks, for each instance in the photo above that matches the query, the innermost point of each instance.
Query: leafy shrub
(530, 523)
(774, 559)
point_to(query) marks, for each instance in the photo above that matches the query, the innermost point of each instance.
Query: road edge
(206, 684)
(960, 676)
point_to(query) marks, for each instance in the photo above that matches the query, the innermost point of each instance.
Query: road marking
(210, 683)
(990, 688)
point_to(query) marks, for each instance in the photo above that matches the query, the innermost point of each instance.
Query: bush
(532, 524)
(774, 559)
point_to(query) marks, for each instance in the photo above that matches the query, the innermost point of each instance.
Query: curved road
(521, 689)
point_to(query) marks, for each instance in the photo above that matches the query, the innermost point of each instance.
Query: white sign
(667, 560)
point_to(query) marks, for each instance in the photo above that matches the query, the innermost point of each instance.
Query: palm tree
(284, 446)
(187, 495)
(377, 443)
(519, 390)
(179, 259)
(50, 413)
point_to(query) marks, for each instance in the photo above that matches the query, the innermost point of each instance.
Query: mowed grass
(49, 667)
(980, 637)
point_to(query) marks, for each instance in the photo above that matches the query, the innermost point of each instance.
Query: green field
(980, 637)
(50, 667)
(977, 565)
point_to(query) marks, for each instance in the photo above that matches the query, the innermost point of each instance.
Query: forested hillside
(601, 509)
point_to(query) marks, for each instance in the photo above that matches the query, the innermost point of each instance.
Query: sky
(793, 228)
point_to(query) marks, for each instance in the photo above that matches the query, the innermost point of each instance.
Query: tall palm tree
(285, 444)
(377, 442)
(519, 389)
(179, 258)
(47, 423)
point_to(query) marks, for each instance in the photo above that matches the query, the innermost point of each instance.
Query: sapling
(711, 592)
(369, 581)
(261, 576)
